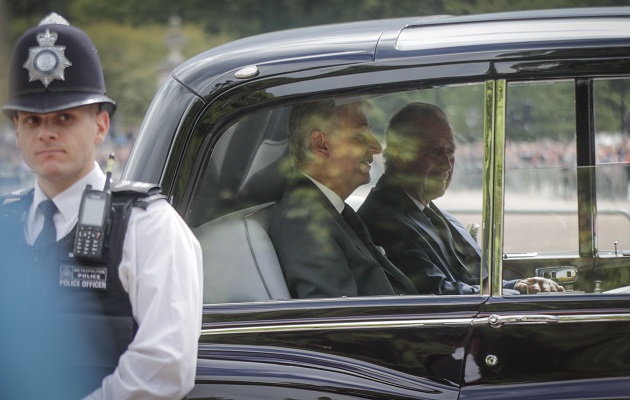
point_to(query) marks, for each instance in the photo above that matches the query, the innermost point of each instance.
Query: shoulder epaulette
(14, 196)
(141, 193)
(136, 187)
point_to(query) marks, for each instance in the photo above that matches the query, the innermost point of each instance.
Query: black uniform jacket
(66, 322)
(320, 255)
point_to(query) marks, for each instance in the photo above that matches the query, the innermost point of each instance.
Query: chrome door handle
(497, 321)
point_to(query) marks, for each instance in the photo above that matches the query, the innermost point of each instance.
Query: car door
(258, 343)
(560, 212)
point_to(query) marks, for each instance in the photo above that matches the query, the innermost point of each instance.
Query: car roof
(367, 41)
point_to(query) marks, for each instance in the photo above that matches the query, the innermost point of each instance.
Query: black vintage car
(540, 103)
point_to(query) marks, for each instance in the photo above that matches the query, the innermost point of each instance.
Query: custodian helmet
(55, 66)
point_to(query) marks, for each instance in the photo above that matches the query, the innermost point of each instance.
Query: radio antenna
(108, 171)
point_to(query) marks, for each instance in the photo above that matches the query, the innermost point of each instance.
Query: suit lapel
(401, 201)
(423, 224)
(461, 232)
(300, 181)
(461, 247)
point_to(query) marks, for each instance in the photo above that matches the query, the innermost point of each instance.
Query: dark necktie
(351, 217)
(48, 234)
(444, 231)
(440, 226)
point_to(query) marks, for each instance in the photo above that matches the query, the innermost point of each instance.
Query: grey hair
(322, 115)
(407, 126)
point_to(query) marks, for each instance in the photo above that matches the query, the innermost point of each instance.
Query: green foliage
(537, 110)
(463, 105)
(131, 57)
(130, 34)
(612, 98)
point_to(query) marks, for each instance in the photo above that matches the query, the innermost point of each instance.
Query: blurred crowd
(549, 166)
(556, 158)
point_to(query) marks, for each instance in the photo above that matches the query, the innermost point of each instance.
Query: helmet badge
(46, 62)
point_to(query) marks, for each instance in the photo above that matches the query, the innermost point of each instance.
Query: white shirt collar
(333, 197)
(67, 203)
(416, 202)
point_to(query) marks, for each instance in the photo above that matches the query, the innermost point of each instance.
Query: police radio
(93, 222)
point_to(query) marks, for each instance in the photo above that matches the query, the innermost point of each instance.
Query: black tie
(351, 217)
(444, 231)
(48, 234)
(357, 226)
(440, 225)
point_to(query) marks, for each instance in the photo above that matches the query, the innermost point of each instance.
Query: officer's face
(60, 146)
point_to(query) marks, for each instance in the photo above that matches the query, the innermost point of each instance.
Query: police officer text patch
(83, 277)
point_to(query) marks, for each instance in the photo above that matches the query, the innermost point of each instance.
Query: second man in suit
(429, 245)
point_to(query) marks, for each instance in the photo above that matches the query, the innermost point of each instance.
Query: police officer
(122, 326)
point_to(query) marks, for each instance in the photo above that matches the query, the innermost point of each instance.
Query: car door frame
(406, 346)
(568, 344)
(230, 329)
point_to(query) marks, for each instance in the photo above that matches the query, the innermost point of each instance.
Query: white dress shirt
(333, 197)
(161, 270)
(416, 202)
(336, 201)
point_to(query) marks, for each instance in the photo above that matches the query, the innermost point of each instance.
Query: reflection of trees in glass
(537, 110)
(612, 130)
(463, 105)
(612, 106)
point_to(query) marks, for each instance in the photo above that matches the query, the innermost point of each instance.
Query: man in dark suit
(323, 248)
(429, 245)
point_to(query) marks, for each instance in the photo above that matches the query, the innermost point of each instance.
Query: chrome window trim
(478, 34)
(493, 183)
(522, 319)
(593, 318)
(488, 171)
(318, 326)
(498, 208)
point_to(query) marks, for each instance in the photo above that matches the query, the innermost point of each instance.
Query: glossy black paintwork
(374, 348)
(172, 108)
(412, 361)
(318, 372)
(589, 349)
(351, 43)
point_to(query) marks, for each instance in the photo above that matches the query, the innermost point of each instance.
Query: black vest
(68, 320)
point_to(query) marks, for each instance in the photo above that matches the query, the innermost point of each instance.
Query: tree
(130, 33)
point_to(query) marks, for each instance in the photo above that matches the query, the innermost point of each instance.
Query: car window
(562, 221)
(463, 104)
(247, 172)
(248, 165)
(612, 156)
(540, 169)
(612, 125)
